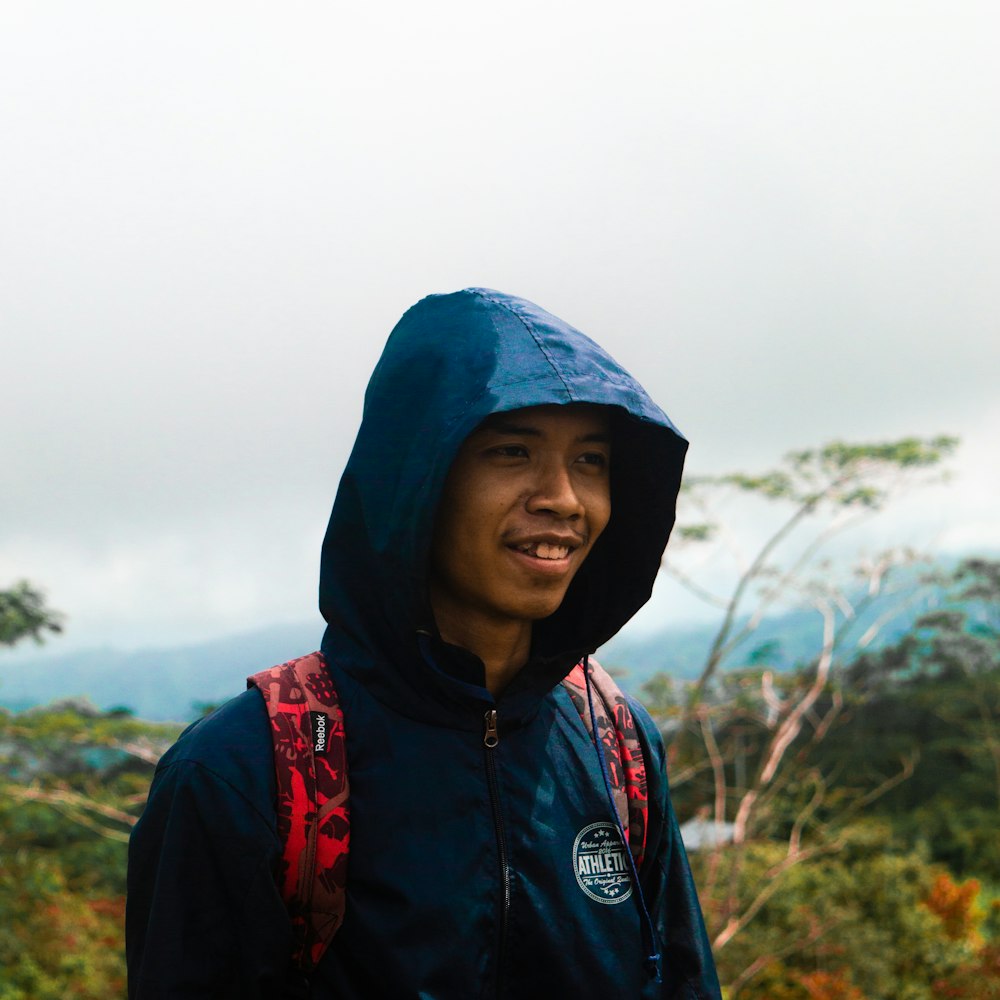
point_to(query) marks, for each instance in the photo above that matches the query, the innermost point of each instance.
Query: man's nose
(555, 493)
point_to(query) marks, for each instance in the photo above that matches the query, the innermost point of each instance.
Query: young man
(502, 514)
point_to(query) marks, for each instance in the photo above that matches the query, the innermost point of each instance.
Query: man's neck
(503, 647)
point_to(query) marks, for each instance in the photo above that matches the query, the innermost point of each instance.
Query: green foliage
(695, 532)
(863, 806)
(771, 484)
(838, 473)
(938, 689)
(23, 615)
(861, 913)
(981, 579)
(835, 480)
(56, 941)
(905, 453)
(72, 782)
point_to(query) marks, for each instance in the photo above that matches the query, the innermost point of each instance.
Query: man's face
(526, 498)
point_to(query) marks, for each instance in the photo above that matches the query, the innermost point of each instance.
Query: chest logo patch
(601, 865)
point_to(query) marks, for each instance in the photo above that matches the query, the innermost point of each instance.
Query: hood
(450, 362)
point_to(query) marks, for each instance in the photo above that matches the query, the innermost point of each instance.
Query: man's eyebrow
(501, 426)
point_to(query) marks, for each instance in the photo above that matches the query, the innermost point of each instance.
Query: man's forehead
(588, 421)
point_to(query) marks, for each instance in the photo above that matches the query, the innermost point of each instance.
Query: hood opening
(450, 362)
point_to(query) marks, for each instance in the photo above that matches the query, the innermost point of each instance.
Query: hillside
(158, 684)
(162, 684)
(781, 641)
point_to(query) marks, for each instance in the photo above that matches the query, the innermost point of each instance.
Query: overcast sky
(782, 217)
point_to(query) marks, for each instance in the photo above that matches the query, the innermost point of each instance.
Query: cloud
(783, 218)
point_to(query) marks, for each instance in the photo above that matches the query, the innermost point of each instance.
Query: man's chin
(540, 609)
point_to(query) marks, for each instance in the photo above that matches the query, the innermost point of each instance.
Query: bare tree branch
(78, 807)
(816, 931)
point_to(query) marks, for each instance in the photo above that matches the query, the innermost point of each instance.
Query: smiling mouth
(544, 550)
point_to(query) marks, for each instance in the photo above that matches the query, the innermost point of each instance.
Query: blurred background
(782, 217)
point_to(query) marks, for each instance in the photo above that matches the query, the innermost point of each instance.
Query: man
(502, 514)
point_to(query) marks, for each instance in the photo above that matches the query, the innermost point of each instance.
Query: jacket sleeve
(204, 919)
(668, 888)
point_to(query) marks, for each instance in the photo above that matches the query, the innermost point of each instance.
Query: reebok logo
(319, 728)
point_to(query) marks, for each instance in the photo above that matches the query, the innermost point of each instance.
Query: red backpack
(310, 760)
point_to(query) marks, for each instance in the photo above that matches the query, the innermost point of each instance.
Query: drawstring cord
(652, 960)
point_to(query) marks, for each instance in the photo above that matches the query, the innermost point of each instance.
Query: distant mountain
(167, 684)
(782, 641)
(157, 684)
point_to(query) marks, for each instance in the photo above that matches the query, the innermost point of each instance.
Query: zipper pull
(491, 738)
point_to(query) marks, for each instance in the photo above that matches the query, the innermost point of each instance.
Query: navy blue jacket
(469, 872)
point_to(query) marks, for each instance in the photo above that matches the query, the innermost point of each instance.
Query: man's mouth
(544, 550)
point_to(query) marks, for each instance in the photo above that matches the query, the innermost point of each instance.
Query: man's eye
(510, 451)
(595, 458)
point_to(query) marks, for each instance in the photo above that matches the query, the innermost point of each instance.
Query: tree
(872, 921)
(72, 782)
(938, 687)
(839, 482)
(23, 615)
(746, 739)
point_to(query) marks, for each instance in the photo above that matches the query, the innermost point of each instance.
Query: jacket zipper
(490, 740)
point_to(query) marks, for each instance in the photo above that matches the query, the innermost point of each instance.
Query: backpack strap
(622, 750)
(310, 763)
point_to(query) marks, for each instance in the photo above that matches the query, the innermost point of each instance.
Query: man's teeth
(546, 551)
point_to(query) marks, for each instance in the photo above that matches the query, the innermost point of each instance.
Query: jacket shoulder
(234, 746)
(204, 916)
